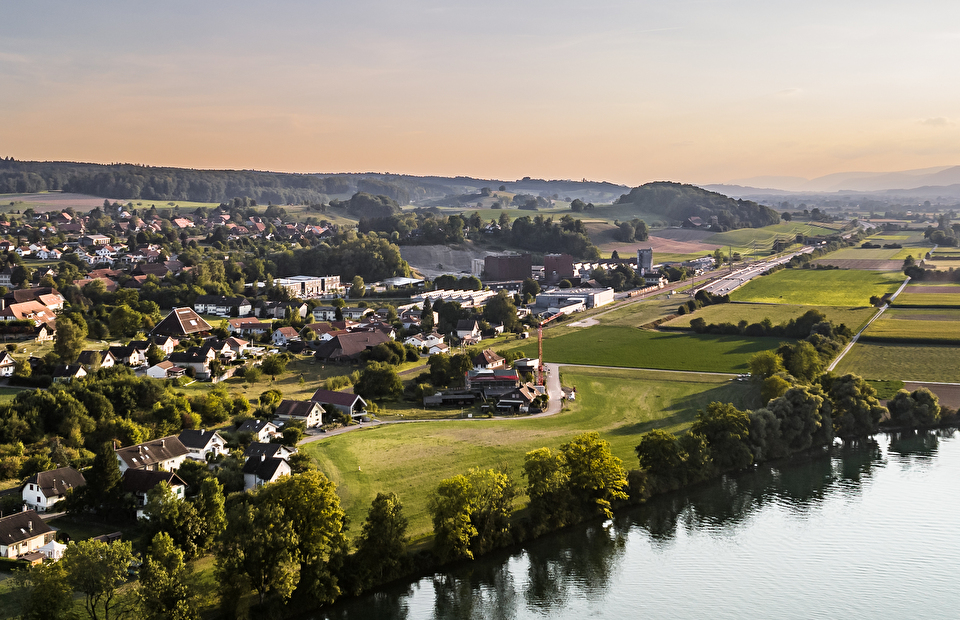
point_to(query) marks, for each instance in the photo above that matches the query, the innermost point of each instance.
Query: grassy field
(743, 239)
(635, 348)
(854, 318)
(411, 459)
(903, 362)
(919, 325)
(835, 287)
(907, 298)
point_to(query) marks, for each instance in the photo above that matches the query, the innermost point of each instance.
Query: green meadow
(903, 362)
(410, 459)
(853, 317)
(819, 287)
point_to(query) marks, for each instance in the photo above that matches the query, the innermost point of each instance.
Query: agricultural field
(817, 287)
(928, 297)
(904, 362)
(854, 318)
(635, 348)
(886, 259)
(410, 459)
(743, 239)
(920, 325)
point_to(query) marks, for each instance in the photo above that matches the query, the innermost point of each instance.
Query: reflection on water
(771, 542)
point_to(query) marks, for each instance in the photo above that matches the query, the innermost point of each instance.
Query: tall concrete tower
(645, 260)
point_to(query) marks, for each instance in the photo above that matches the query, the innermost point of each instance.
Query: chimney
(162, 442)
(30, 525)
(263, 457)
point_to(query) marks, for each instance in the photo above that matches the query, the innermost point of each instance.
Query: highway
(738, 277)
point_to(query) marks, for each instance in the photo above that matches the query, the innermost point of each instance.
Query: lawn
(410, 459)
(902, 362)
(853, 317)
(917, 325)
(743, 239)
(817, 287)
(635, 348)
(921, 300)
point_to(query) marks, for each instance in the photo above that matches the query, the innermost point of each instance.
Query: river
(864, 531)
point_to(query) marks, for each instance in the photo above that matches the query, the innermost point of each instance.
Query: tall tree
(597, 478)
(165, 591)
(44, 592)
(381, 548)
(69, 339)
(98, 570)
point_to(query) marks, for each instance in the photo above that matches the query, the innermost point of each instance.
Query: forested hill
(679, 202)
(131, 182)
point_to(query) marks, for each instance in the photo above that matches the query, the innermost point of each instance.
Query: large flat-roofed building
(561, 298)
(311, 287)
(507, 267)
(557, 267)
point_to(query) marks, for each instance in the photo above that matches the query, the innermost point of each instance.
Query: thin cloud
(937, 121)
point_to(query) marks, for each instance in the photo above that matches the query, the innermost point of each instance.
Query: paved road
(737, 278)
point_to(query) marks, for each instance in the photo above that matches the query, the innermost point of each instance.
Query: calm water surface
(868, 531)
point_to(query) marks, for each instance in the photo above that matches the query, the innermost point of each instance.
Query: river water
(865, 531)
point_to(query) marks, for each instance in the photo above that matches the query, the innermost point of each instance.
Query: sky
(626, 91)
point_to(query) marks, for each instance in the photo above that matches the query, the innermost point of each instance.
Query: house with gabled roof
(7, 364)
(468, 329)
(64, 373)
(307, 411)
(104, 359)
(269, 450)
(22, 533)
(262, 430)
(166, 370)
(42, 491)
(260, 471)
(220, 305)
(138, 483)
(181, 322)
(488, 359)
(348, 347)
(203, 445)
(349, 404)
(283, 336)
(166, 453)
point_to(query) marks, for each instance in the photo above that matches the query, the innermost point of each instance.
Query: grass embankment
(634, 348)
(853, 317)
(902, 362)
(744, 239)
(411, 459)
(816, 287)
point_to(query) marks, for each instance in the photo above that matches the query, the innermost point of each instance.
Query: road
(737, 278)
(876, 316)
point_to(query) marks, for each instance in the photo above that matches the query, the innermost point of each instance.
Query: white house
(222, 306)
(203, 445)
(283, 336)
(424, 340)
(42, 491)
(22, 533)
(166, 453)
(260, 471)
(7, 364)
(306, 411)
(139, 482)
(165, 370)
(468, 329)
(324, 313)
(439, 349)
(262, 430)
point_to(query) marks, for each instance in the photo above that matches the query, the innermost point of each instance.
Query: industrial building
(571, 297)
(507, 267)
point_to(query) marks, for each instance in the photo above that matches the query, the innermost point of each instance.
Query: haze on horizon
(700, 91)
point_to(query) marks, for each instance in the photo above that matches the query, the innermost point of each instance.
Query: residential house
(44, 490)
(165, 370)
(203, 445)
(355, 313)
(348, 347)
(439, 349)
(29, 311)
(166, 453)
(194, 359)
(7, 364)
(348, 404)
(94, 240)
(139, 482)
(492, 382)
(237, 346)
(165, 343)
(487, 359)
(324, 313)
(247, 327)
(262, 430)
(128, 354)
(468, 330)
(64, 373)
(5, 274)
(424, 340)
(280, 309)
(284, 335)
(258, 472)
(222, 306)
(47, 296)
(257, 450)
(306, 411)
(103, 359)
(22, 533)
(181, 322)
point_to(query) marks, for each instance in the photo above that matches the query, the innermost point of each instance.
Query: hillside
(679, 202)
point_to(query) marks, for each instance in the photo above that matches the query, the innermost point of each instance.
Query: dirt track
(934, 289)
(949, 395)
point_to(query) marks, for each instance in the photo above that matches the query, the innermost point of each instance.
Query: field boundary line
(854, 340)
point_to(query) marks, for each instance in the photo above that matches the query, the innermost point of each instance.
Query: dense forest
(679, 202)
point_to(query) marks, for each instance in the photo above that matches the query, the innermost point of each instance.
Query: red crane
(541, 378)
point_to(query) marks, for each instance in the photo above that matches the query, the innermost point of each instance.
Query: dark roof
(267, 450)
(264, 469)
(253, 426)
(139, 345)
(181, 322)
(187, 357)
(467, 324)
(349, 346)
(22, 526)
(142, 480)
(122, 352)
(151, 269)
(56, 481)
(296, 408)
(344, 399)
(149, 453)
(196, 438)
(67, 370)
(86, 357)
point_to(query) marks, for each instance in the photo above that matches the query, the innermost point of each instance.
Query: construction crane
(541, 371)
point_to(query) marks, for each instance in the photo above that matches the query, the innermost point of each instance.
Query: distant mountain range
(937, 181)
